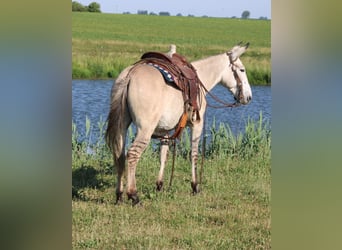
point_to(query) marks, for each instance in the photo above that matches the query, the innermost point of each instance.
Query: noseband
(238, 81)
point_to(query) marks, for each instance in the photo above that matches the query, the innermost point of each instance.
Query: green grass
(104, 44)
(232, 211)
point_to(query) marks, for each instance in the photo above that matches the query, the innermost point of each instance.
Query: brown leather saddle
(185, 79)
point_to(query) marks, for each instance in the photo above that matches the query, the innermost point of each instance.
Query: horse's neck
(210, 69)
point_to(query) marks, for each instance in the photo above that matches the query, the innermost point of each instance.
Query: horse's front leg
(195, 138)
(164, 148)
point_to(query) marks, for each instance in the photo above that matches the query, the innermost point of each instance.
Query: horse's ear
(237, 51)
(247, 45)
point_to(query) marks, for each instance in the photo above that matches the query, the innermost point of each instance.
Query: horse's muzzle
(244, 100)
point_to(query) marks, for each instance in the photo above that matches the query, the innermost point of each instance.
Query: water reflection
(91, 98)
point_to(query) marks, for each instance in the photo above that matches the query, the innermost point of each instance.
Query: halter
(239, 89)
(238, 80)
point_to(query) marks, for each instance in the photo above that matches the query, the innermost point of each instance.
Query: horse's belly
(168, 121)
(172, 108)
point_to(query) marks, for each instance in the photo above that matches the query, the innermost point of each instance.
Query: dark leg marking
(135, 199)
(159, 185)
(119, 199)
(195, 188)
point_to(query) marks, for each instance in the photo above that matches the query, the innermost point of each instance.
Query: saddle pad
(166, 74)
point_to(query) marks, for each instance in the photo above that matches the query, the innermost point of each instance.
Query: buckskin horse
(141, 95)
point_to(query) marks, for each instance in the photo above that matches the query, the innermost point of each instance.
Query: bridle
(238, 80)
(224, 104)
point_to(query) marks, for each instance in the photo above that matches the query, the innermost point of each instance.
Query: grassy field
(231, 212)
(104, 44)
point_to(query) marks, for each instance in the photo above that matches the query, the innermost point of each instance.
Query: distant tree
(142, 12)
(233, 17)
(164, 13)
(126, 13)
(263, 18)
(152, 14)
(190, 15)
(76, 6)
(94, 7)
(245, 14)
(179, 14)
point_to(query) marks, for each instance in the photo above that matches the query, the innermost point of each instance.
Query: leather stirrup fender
(180, 126)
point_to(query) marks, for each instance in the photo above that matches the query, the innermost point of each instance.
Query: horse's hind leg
(120, 163)
(164, 148)
(133, 155)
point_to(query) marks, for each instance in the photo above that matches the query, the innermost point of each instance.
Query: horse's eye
(242, 70)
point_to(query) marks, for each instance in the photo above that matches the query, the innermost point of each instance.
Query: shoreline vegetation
(104, 44)
(232, 211)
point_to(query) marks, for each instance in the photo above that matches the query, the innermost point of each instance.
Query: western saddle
(185, 79)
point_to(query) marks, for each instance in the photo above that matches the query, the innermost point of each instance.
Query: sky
(212, 8)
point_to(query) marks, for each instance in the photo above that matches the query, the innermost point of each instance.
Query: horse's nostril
(249, 98)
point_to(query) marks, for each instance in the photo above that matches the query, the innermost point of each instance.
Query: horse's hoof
(135, 199)
(159, 185)
(195, 188)
(119, 198)
(118, 202)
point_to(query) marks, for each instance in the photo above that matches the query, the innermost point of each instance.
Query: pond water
(90, 98)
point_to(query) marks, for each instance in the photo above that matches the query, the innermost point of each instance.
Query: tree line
(95, 7)
(92, 7)
(244, 15)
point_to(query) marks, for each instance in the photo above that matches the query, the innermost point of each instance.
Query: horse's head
(235, 77)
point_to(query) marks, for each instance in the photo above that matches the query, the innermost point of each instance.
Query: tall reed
(254, 141)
